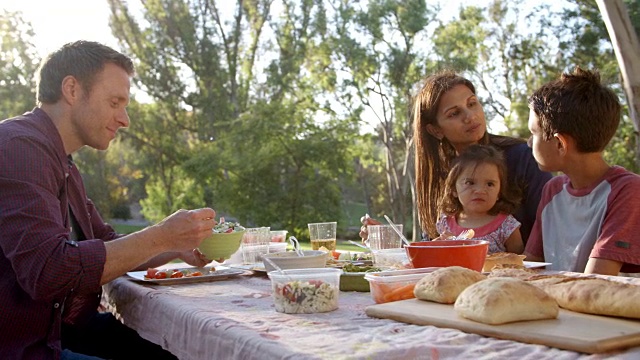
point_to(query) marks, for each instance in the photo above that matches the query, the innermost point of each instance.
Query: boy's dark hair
(578, 105)
(474, 155)
(82, 60)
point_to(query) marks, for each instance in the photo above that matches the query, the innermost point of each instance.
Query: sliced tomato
(195, 273)
(151, 273)
(160, 275)
(177, 274)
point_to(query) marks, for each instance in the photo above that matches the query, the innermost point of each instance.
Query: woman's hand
(366, 220)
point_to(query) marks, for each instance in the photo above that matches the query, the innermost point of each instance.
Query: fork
(467, 234)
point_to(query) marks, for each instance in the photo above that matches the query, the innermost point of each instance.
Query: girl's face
(478, 188)
(460, 118)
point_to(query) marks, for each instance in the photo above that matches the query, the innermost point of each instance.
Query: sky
(58, 22)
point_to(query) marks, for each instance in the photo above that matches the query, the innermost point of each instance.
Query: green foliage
(281, 113)
(18, 63)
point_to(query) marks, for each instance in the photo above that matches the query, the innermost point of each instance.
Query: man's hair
(578, 105)
(472, 157)
(81, 59)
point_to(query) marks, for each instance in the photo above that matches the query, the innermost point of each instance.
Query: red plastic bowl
(442, 253)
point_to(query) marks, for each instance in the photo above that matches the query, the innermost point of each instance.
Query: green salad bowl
(220, 246)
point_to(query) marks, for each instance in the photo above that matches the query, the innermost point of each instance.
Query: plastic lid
(399, 275)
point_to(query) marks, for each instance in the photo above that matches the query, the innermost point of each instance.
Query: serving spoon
(359, 245)
(278, 268)
(296, 245)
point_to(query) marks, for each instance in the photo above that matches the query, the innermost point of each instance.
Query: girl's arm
(514, 243)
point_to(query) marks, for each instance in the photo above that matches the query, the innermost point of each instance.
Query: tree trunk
(627, 49)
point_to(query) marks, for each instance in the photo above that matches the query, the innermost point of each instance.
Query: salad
(360, 268)
(224, 227)
(305, 297)
(153, 273)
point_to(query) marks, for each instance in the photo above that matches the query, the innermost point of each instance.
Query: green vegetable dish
(227, 227)
(360, 268)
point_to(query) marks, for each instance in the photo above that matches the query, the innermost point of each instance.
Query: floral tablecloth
(236, 319)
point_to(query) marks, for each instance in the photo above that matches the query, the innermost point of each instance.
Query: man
(57, 251)
(587, 218)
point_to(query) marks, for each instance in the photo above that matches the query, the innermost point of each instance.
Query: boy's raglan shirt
(602, 221)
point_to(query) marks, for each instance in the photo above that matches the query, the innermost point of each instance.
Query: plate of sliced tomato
(183, 275)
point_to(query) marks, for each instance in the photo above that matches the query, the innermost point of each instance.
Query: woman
(448, 117)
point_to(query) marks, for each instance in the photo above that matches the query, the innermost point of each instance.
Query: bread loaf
(445, 284)
(595, 296)
(502, 258)
(503, 300)
(512, 271)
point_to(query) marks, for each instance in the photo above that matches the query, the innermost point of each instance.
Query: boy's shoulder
(618, 176)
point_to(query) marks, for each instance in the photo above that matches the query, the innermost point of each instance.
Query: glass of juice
(323, 235)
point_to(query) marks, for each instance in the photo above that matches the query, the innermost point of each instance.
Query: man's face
(544, 151)
(101, 112)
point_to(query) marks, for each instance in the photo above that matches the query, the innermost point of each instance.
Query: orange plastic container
(394, 285)
(442, 253)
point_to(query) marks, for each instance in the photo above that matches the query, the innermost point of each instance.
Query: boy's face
(544, 151)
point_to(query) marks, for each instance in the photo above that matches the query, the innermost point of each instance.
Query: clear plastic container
(305, 291)
(279, 236)
(394, 285)
(395, 258)
(275, 247)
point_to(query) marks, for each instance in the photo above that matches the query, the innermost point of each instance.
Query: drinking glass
(323, 235)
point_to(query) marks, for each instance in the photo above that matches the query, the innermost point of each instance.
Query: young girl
(476, 197)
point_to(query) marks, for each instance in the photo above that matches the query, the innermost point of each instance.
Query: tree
(377, 53)
(18, 63)
(627, 48)
(255, 147)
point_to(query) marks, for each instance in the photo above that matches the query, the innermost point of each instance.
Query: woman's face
(460, 118)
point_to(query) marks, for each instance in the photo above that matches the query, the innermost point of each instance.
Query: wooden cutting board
(570, 331)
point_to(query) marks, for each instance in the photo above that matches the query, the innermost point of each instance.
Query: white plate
(220, 273)
(535, 264)
(257, 267)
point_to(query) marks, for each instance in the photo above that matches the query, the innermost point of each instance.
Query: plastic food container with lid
(394, 285)
(305, 291)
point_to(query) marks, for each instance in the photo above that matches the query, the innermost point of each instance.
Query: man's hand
(184, 230)
(194, 257)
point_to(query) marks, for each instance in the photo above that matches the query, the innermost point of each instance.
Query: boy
(588, 218)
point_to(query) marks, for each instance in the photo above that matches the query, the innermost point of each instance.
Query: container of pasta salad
(305, 291)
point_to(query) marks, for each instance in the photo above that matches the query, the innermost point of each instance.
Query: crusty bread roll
(504, 300)
(543, 281)
(596, 296)
(445, 284)
(502, 258)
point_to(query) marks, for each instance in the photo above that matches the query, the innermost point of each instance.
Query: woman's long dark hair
(433, 156)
